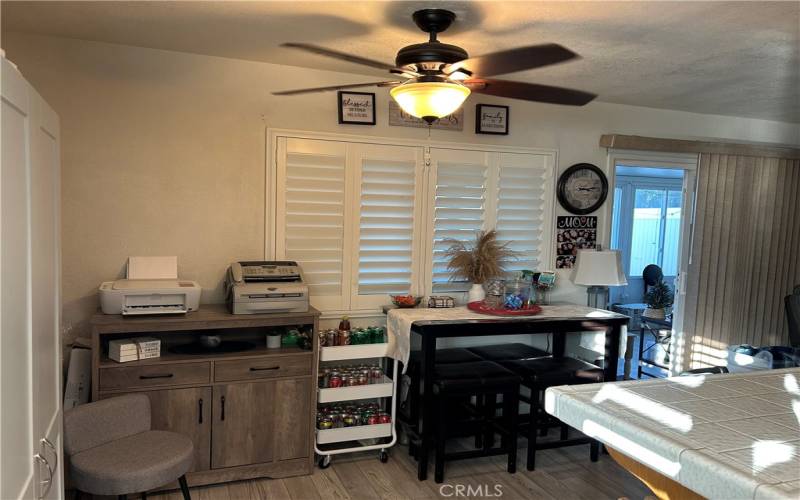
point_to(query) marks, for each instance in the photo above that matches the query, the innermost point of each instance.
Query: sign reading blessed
(491, 119)
(356, 108)
(399, 118)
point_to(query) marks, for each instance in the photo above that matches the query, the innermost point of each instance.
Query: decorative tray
(482, 308)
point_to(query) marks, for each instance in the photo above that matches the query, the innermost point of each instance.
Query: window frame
(271, 211)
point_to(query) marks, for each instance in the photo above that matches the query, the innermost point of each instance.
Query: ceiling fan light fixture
(429, 100)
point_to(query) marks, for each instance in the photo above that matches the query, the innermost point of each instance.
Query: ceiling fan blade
(529, 91)
(510, 61)
(322, 51)
(337, 87)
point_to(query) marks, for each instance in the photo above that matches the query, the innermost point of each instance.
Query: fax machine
(254, 287)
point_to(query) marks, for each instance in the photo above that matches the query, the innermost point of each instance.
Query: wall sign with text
(491, 119)
(573, 233)
(356, 108)
(399, 118)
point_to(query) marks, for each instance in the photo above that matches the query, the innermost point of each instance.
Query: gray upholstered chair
(113, 451)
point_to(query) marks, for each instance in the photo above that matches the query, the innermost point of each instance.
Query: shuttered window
(386, 224)
(522, 207)
(459, 208)
(367, 220)
(313, 202)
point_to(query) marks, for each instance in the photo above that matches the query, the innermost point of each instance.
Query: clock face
(582, 188)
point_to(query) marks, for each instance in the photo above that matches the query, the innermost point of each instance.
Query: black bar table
(559, 320)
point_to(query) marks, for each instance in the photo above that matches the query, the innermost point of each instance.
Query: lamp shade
(599, 268)
(429, 100)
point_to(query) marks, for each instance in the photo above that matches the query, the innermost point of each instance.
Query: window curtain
(745, 255)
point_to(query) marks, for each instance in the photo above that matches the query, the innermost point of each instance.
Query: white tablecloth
(727, 436)
(399, 321)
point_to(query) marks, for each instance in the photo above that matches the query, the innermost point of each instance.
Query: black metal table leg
(427, 363)
(612, 353)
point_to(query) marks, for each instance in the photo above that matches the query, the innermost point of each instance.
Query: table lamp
(598, 269)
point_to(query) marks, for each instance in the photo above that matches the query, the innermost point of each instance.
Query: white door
(30, 419)
(679, 343)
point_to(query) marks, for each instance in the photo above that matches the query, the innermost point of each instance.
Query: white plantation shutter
(459, 206)
(386, 231)
(311, 196)
(524, 198)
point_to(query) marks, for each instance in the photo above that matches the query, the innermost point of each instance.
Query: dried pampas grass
(479, 260)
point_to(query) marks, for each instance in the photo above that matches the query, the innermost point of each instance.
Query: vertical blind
(386, 225)
(745, 254)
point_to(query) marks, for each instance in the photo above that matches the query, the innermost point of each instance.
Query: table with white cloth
(433, 324)
(731, 436)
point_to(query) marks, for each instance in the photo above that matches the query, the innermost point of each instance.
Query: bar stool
(454, 382)
(505, 352)
(411, 414)
(537, 375)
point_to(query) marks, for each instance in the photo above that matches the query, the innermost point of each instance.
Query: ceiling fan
(435, 78)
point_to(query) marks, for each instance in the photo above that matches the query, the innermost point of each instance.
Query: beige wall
(163, 152)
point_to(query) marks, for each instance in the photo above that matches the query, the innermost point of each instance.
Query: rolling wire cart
(327, 440)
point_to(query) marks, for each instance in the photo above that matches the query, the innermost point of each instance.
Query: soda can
(344, 337)
(376, 374)
(335, 380)
(348, 420)
(373, 419)
(362, 380)
(384, 418)
(325, 423)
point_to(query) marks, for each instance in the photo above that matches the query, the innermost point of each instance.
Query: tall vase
(476, 293)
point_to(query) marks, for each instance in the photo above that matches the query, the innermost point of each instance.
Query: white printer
(151, 286)
(254, 287)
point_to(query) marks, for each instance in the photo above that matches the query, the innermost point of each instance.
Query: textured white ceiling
(729, 58)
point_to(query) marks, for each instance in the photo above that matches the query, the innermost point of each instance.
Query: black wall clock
(582, 188)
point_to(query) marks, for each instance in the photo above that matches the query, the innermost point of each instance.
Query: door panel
(243, 430)
(290, 424)
(187, 412)
(16, 431)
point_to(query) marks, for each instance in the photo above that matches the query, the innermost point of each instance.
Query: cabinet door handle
(160, 375)
(261, 369)
(200, 417)
(222, 402)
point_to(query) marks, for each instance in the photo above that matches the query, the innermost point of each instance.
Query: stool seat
(504, 352)
(139, 462)
(447, 356)
(472, 376)
(550, 371)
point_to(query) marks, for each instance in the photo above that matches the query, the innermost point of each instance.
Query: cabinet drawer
(250, 369)
(134, 377)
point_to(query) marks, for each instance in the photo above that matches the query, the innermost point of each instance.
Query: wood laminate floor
(562, 474)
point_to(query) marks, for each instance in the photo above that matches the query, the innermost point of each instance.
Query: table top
(462, 315)
(723, 436)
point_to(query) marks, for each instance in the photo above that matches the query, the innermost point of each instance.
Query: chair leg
(530, 462)
(564, 432)
(144, 495)
(77, 495)
(488, 416)
(510, 414)
(480, 402)
(184, 488)
(441, 440)
(122, 497)
(594, 450)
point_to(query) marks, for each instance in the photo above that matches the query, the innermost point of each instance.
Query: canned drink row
(348, 376)
(338, 416)
(333, 337)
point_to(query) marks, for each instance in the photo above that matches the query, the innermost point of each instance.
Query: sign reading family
(356, 108)
(491, 119)
(399, 118)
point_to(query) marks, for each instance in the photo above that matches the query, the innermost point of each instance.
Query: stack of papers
(134, 349)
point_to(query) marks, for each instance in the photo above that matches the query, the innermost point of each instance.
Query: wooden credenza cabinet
(249, 413)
